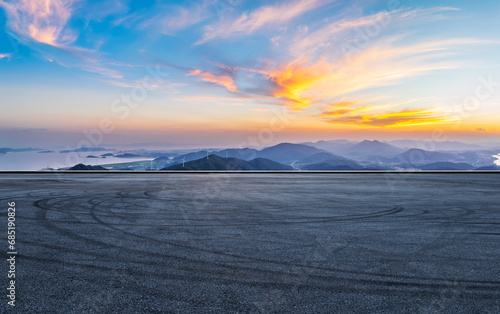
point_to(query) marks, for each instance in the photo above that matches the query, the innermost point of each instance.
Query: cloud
(40, 21)
(386, 119)
(294, 78)
(173, 20)
(265, 16)
(304, 82)
(5, 55)
(222, 80)
(365, 28)
(42, 25)
(309, 75)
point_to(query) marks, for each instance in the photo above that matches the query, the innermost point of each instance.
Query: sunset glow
(336, 69)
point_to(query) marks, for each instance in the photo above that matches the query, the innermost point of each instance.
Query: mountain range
(215, 162)
(364, 155)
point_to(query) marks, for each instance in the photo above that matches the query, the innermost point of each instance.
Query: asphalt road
(124, 243)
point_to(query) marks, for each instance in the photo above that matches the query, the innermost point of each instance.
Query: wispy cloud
(42, 25)
(41, 21)
(313, 76)
(5, 55)
(171, 20)
(222, 80)
(265, 16)
(337, 33)
(302, 83)
(317, 72)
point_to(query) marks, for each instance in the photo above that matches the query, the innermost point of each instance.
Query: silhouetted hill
(187, 157)
(240, 153)
(337, 163)
(287, 152)
(86, 167)
(447, 166)
(214, 162)
(325, 166)
(332, 160)
(266, 164)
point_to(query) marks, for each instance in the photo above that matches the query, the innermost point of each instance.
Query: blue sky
(215, 72)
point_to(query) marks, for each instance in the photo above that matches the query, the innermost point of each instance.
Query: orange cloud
(223, 80)
(295, 78)
(387, 119)
(304, 82)
(40, 21)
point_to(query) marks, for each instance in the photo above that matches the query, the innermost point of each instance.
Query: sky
(227, 73)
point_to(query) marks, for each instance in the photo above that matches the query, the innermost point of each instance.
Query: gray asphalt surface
(125, 243)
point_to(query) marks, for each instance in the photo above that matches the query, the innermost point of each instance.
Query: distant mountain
(416, 156)
(215, 162)
(446, 166)
(335, 146)
(367, 150)
(240, 153)
(107, 155)
(266, 164)
(187, 157)
(4, 150)
(92, 156)
(319, 157)
(330, 159)
(46, 151)
(288, 153)
(335, 163)
(435, 145)
(86, 167)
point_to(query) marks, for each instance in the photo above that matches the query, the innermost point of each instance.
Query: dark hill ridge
(86, 167)
(326, 166)
(214, 162)
(364, 155)
(335, 163)
(284, 153)
(185, 157)
(240, 153)
(287, 152)
(328, 158)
